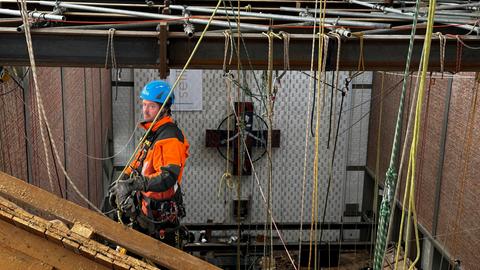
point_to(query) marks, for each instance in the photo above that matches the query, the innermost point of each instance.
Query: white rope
(442, 41)
(111, 49)
(26, 23)
(41, 108)
(304, 180)
(228, 44)
(243, 140)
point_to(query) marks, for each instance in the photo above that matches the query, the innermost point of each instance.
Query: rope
(41, 109)
(262, 193)
(270, 94)
(411, 171)
(463, 43)
(311, 89)
(110, 49)
(26, 24)
(111, 52)
(323, 42)
(361, 56)
(443, 43)
(321, 69)
(286, 64)
(391, 174)
(335, 77)
(404, 149)
(228, 43)
(227, 176)
(240, 153)
(142, 140)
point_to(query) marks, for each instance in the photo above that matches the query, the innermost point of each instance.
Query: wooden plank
(49, 206)
(15, 260)
(82, 229)
(43, 250)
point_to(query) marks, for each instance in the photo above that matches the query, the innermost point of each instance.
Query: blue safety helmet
(157, 91)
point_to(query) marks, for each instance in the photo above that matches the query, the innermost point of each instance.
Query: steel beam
(281, 226)
(225, 247)
(141, 49)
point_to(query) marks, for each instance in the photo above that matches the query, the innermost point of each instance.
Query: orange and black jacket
(164, 161)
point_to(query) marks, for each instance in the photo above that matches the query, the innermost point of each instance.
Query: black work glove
(121, 190)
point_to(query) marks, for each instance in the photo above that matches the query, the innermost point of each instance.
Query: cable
(367, 113)
(8, 91)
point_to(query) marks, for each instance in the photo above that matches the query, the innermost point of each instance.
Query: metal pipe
(378, 15)
(379, 7)
(391, 30)
(458, 14)
(33, 14)
(447, 6)
(282, 17)
(464, 24)
(155, 16)
(411, 15)
(108, 26)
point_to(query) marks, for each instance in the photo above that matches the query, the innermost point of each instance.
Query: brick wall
(460, 190)
(78, 107)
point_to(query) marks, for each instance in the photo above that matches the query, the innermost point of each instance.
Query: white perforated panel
(205, 199)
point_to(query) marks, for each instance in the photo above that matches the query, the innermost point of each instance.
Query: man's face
(150, 110)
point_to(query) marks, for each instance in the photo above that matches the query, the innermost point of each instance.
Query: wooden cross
(218, 138)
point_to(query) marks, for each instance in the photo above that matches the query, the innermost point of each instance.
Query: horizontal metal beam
(140, 49)
(281, 226)
(225, 247)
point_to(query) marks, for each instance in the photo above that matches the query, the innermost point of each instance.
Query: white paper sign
(188, 93)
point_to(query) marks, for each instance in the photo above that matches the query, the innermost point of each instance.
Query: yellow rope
(410, 179)
(361, 62)
(227, 177)
(321, 69)
(270, 35)
(311, 88)
(142, 140)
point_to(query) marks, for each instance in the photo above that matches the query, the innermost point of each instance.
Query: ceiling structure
(162, 34)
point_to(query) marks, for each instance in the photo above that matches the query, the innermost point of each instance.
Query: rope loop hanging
(111, 49)
(442, 43)
(228, 44)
